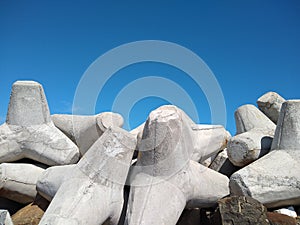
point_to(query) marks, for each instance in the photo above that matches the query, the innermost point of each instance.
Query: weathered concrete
(248, 117)
(222, 164)
(138, 131)
(85, 130)
(207, 140)
(245, 148)
(18, 181)
(219, 160)
(5, 218)
(274, 179)
(254, 137)
(270, 104)
(165, 172)
(28, 105)
(207, 162)
(29, 132)
(93, 191)
(52, 178)
(287, 134)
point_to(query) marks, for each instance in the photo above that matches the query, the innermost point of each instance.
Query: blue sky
(251, 47)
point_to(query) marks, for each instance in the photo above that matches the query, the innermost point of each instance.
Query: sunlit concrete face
(167, 173)
(91, 191)
(255, 132)
(29, 131)
(274, 178)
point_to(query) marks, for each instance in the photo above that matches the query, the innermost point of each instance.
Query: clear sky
(251, 47)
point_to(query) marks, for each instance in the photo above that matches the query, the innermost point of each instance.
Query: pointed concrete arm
(52, 178)
(85, 130)
(18, 181)
(287, 134)
(274, 179)
(29, 131)
(93, 191)
(28, 105)
(165, 174)
(270, 104)
(157, 203)
(248, 117)
(255, 132)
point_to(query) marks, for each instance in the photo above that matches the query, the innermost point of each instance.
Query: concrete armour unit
(85, 130)
(93, 191)
(245, 148)
(29, 132)
(287, 134)
(274, 179)
(18, 181)
(52, 178)
(255, 132)
(270, 104)
(28, 105)
(248, 117)
(207, 140)
(222, 164)
(165, 174)
(138, 131)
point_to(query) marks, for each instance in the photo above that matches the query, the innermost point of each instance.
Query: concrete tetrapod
(254, 137)
(207, 140)
(18, 181)
(274, 179)
(270, 104)
(165, 180)
(29, 131)
(248, 117)
(93, 192)
(85, 130)
(52, 178)
(222, 164)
